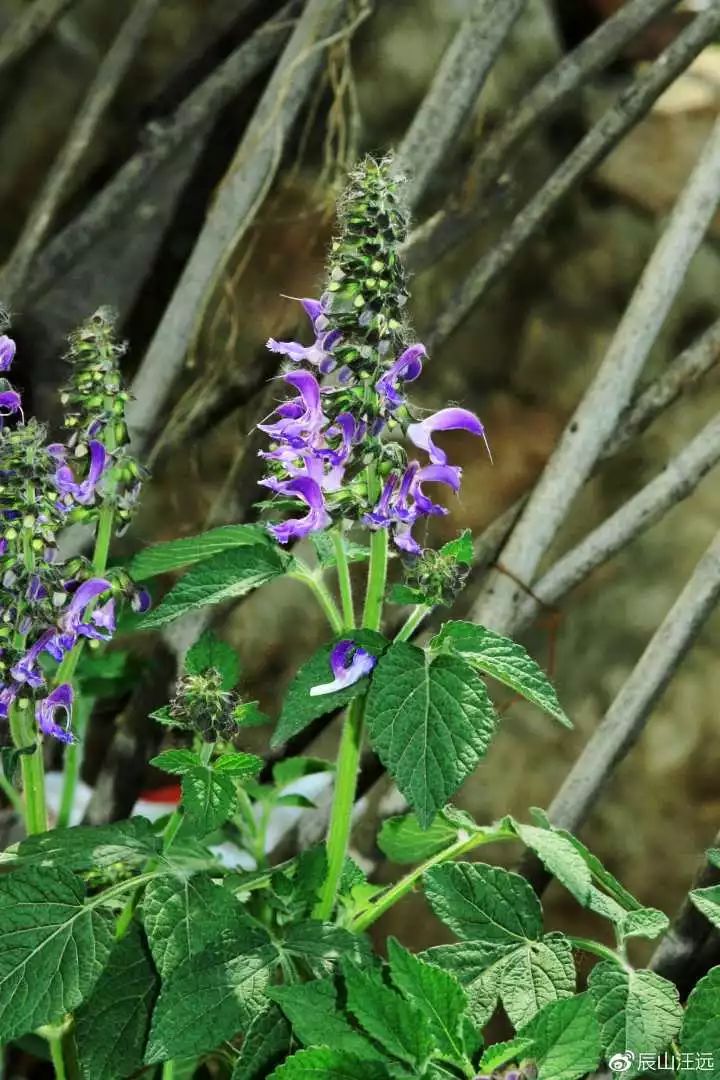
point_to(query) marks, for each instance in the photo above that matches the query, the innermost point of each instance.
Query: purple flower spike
(406, 368)
(60, 698)
(451, 419)
(349, 663)
(317, 518)
(72, 618)
(7, 352)
(65, 482)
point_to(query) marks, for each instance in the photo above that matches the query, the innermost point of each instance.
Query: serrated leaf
(52, 948)
(395, 1023)
(536, 974)
(208, 799)
(172, 554)
(210, 652)
(430, 721)
(566, 1039)
(461, 548)
(708, 901)
(316, 1019)
(323, 1064)
(477, 973)
(240, 766)
(639, 1012)
(494, 908)
(92, 847)
(266, 1043)
(166, 718)
(177, 762)
(505, 660)
(403, 840)
(294, 768)
(300, 708)
(322, 945)
(212, 995)
(247, 714)
(10, 760)
(325, 550)
(700, 1036)
(227, 576)
(183, 915)
(406, 594)
(111, 1026)
(503, 1053)
(643, 922)
(437, 995)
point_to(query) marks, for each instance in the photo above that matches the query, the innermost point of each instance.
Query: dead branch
(454, 91)
(28, 28)
(104, 86)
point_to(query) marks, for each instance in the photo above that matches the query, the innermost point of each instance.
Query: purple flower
(140, 601)
(7, 697)
(435, 474)
(26, 670)
(103, 618)
(349, 663)
(82, 492)
(60, 698)
(10, 402)
(302, 418)
(319, 354)
(73, 621)
(7, 352)
(317, 518)
(451, 419)
(406, 368)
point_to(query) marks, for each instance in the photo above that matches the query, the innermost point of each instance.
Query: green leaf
(322, 945)
(403, 840)
(177, 762)
(494, 908)
(159, 558)
(294, 768)
(247, 714)
(183, 915)
(536, 974)
(477, 971)
(708, 901)
(406, 594)
(266, 1043)
(503, 1053)
(92, 847)
(430, 721)
(239, 766)
(643, 922)
(10, 760)
(52, 948)
(566, 1039)
(300, 708)
(208, 799)
(505, 660)
(323, 1064)
(313, 1011)
(225, 577)
(700, 1036)
(461, 548)
(325, 550)
(213, 995)
(437, 995)
(639, 1012)
(111, 1026)
(396, 1024)
(210, 652)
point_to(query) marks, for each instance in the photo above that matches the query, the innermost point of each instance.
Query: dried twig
(242, 191)
(454, 90)
(678, 479)
(103, 89)
(159, 142)
(449, 226)
(625, 720)
(602, 137)
(608, 395)
(29, 27)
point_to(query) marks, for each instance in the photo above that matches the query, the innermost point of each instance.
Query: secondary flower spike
(349, 663)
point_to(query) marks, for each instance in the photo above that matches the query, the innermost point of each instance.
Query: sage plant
(185, 935)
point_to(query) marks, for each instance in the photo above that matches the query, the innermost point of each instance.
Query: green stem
(32, 769)
(597, 949)
(66, 672)
(401, 888)
(412, 622)
(57, 1057)
(11, 795)
(168, 1071)
(72, 763)
(323, 597)
(344, 580)
(352, 738)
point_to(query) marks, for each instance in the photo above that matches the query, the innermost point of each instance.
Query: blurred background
(521, 359)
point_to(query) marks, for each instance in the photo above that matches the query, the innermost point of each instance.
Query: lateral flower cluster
(343, 423)
(48, 605)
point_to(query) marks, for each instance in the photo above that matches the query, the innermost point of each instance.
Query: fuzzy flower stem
(348, 761)
(412, 622)
(344, 581)
(32, 769)
(317, 586)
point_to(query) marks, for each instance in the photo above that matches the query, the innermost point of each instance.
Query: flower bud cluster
(200, 704)
(335, 451)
